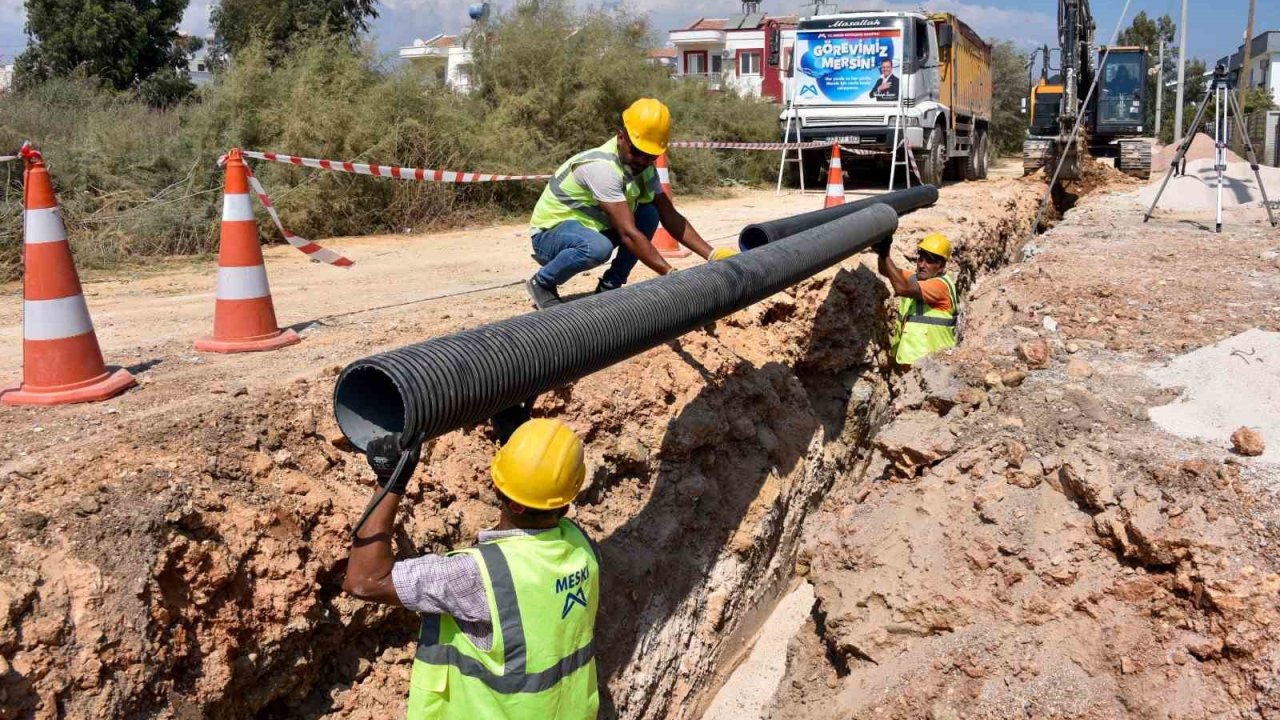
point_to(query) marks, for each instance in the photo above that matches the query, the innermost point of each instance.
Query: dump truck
(863, 78)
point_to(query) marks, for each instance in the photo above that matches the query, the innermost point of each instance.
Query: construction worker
(507, 626)
(609, 197)
(929, 304)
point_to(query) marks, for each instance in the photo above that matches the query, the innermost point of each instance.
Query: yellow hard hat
(938, 244)
(541, 465)
(648, 124)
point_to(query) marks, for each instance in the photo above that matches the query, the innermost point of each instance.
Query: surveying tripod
(1225, 104)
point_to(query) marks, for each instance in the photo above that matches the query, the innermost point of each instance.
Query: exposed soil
(177, 551)
(1026, 543)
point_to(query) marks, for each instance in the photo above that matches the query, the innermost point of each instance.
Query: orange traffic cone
(662, 239)
(61, 359)
(835, 180)
(244, 318)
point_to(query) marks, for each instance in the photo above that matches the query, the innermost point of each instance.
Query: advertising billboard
(858, 63)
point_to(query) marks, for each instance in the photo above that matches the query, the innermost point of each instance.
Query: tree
(1010, 86)
(122, 43)
(278, 22)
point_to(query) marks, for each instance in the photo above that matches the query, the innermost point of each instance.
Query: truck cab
(858, 78)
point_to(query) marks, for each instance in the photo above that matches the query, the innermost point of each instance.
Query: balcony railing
(713, 80)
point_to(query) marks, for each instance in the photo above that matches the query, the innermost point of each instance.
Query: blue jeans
(570, 248)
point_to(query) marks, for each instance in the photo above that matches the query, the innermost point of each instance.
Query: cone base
(667, 245)
(275, 341)
(108, 385)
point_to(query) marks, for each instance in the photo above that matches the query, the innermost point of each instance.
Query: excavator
(1111, 125)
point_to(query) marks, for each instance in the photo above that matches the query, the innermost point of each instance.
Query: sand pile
(1197, 189)
(1201, 149)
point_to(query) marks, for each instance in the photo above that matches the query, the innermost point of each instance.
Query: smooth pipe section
(903, 201)
(433, 387)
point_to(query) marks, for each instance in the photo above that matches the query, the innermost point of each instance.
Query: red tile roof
(708, 24)
(661, 53)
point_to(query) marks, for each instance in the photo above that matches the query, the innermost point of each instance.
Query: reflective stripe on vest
(924, 330)
(543, 596)
(563, 199)
(514, 679)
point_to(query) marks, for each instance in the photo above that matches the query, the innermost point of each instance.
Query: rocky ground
(1025, 542)
(177, 552)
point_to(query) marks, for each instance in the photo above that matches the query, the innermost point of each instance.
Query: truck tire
(973, 161)
(933, 161)
(981, 156)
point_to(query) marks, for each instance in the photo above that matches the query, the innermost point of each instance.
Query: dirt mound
(1202, 148)
(1026, 542)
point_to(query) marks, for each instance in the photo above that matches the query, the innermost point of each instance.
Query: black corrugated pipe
(904, 201)
(430, 388)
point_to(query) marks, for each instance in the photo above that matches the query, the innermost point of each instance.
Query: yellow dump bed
(965, 73)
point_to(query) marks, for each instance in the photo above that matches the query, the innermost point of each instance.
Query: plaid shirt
(451, 585)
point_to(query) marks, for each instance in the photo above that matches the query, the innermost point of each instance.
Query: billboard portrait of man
(886, 87)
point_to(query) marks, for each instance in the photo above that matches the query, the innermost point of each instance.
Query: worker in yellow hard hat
(928, 303)
(508, 625)
(605, 198)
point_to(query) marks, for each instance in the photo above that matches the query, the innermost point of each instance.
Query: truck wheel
(979, 158)
(933, 162)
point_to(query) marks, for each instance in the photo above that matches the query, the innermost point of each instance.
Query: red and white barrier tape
(26, 152)
(7, 158)
(711, 144)
(308, 248)
(392, 171)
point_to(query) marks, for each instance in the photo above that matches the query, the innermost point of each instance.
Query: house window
(695, 62)
(749, 62)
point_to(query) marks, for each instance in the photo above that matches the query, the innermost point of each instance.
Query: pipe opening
(368, 403)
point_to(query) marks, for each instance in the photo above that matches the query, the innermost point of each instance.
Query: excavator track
(1135, 158)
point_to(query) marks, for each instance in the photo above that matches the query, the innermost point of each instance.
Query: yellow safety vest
(564, 199)
(922, 329)
(543, 591)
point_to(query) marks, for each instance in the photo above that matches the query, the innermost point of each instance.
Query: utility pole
(1182, 72)
(1248, 48)
(1159, 88)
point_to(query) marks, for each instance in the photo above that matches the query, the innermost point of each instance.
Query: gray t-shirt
(605, 184)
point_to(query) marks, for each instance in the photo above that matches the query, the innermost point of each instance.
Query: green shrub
(137, 180)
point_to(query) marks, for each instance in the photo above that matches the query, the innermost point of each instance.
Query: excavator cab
(1117, 118)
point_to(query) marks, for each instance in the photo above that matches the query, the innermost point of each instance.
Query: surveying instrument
(1225, 104)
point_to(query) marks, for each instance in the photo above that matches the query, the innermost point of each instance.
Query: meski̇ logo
(572, 599)
(846, 64)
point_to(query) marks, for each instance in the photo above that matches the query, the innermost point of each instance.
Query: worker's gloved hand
(722, 253)
(384, 455)
(884, 246)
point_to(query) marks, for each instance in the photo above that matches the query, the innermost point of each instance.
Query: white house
(1264, 59)
(747, 53)
(6, 77)
(446, 55)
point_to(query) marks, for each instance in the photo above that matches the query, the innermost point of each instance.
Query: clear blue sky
(1218, 26)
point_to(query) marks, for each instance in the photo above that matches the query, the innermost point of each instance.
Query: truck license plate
(848, 139)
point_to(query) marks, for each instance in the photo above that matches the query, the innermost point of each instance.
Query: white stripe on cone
(55, 319)
(243, 283)
(663, 177)
(236, 206)
(45, 226)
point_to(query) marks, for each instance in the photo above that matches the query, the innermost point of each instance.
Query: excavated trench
(213, 590)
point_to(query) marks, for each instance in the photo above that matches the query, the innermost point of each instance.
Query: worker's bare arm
(369, 564)
(623, 222)
(906, 287)
(679, 226)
